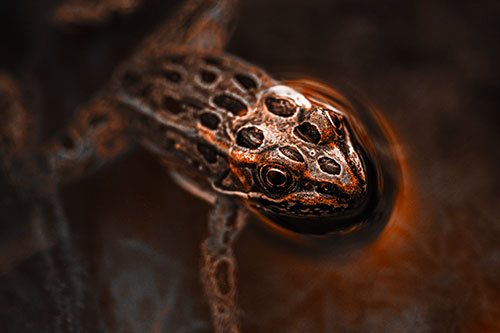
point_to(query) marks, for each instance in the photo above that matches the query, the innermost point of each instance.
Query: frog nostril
(307, 132)
(329, 165)
(326, 188)
(250, 137)
(338, 124)
(280, 106)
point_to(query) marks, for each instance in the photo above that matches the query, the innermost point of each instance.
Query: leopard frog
(229, 133)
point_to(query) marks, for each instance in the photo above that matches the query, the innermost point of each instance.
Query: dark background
(430, 67)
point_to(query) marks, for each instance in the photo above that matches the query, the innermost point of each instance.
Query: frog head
(296, 160)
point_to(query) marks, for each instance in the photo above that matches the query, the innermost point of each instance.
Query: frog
(226, 130)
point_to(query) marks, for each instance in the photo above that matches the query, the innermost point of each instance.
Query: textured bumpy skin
(237, 131)
(233, 130)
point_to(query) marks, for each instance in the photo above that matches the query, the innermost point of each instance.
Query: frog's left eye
(275, 178)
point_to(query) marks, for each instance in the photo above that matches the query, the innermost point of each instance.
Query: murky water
(429, 68)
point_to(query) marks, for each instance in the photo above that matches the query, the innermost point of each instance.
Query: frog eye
(275, 178)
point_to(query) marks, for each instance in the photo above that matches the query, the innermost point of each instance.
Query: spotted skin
(199, 110)
(248, 135)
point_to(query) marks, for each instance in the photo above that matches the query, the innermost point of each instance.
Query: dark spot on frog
(334, 190)
(292, 153)
(208, 77)
(307, 132)
(146, 91)
(67, 141)
(222, 276)
(131, 78)
(230, 103)
(147, 94)
(329, 165)
(208, 152)
(98, 119)
(168, 143)
(172, 76)
(196, 165)
(172, 105)
(209, 120)
(176, 59)
(221, 310)
(231, 222)
(250, 137)
(280, 106)
(247, 82)
(193, 102)
(212, 61)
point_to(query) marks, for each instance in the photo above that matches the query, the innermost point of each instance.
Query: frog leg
(91, 12)
(96, 135)
(218, 271)
(200, 24)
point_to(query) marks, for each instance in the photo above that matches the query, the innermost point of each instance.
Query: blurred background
(431, 69)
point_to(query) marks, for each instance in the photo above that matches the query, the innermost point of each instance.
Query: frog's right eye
(275, 178)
